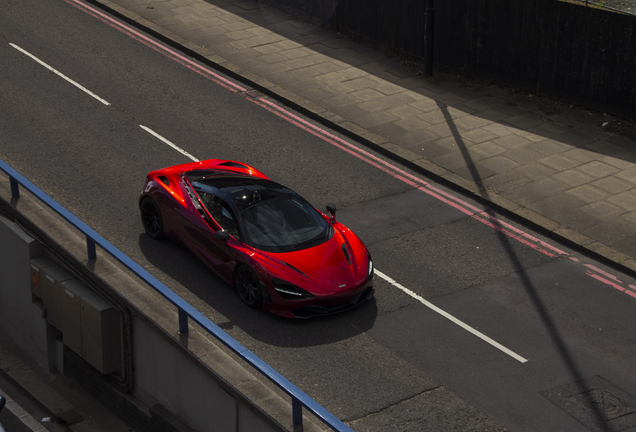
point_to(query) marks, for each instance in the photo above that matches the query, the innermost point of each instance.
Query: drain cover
(596, 403)
(604, 404)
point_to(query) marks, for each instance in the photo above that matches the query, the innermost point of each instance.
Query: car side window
(224, 216)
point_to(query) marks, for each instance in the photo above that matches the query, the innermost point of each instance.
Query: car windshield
(271, 217)
(284, 224)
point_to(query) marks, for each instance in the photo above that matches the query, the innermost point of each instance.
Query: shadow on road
(546, 318)
(209, 294)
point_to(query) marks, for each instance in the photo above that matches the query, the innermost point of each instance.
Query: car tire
(248, 286)
(151, 218)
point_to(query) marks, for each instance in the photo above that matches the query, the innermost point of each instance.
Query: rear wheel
(248, 286)
(151, 218)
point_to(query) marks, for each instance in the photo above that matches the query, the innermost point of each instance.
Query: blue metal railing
(299, 398)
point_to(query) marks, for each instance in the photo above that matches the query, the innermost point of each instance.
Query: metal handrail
(299, 398)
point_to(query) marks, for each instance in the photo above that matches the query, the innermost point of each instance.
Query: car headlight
(290, 291)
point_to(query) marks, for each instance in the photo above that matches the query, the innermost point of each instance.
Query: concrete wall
(186, 375)
(163, 371)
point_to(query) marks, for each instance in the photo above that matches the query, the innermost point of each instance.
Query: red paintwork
(327, 275)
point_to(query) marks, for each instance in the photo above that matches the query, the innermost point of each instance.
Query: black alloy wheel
(151, 218)
(248, 286)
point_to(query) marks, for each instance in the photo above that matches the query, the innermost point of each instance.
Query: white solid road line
(180, 150)
(387, 278)
(451, 318)
(20, 413)
(60, 74)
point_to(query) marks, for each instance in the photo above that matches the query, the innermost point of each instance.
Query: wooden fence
(582, 54)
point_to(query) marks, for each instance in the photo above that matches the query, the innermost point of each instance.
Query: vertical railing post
(90, 248)
(429, 20)
(183, 321)
(297, 411)
(15, 188)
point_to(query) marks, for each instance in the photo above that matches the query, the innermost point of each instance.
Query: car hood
(324, 266)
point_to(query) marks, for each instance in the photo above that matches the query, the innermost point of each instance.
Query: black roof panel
(244, 191)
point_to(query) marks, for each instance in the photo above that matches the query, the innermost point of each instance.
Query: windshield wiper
(304, 245)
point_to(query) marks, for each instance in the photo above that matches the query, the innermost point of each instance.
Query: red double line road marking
(414, 181)
(174, 55)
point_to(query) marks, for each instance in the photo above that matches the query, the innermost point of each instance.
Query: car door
(198, 233)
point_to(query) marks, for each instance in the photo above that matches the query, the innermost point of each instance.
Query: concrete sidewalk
(559, 171)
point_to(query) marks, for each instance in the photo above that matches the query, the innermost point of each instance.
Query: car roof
(243, 190)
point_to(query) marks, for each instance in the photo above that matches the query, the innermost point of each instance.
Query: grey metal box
(72, 323)
(37, 264)
(51, 279)
(91, 327)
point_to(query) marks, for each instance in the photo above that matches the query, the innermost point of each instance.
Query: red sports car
(279, 252)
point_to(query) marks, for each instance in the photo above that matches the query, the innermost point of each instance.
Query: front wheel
(248, 286)
(151, 218)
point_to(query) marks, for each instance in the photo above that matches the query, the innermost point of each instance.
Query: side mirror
(222, 235)
(331, 208)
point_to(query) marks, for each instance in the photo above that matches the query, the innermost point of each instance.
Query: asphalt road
(531, 330)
